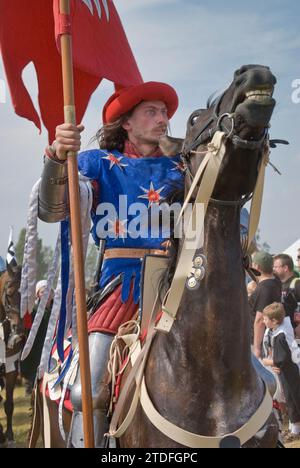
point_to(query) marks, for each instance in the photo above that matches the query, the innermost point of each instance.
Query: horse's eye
(194, 119)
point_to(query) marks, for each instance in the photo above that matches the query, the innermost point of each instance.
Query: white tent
(292, 251)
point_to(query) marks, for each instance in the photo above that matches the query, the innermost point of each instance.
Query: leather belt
(132, 253)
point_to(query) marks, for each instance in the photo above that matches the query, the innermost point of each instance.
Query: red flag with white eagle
(29, 32)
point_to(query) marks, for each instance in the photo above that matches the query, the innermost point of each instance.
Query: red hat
(126, 99)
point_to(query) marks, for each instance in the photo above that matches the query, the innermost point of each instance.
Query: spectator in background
(298, 260)
(284, 358)
(284, 270)
(267, 292)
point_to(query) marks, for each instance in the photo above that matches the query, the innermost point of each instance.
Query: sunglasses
(298, 258)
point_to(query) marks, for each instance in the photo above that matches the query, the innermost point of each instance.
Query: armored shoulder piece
(53, 193)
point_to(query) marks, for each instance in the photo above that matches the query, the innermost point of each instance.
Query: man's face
(298, 260)
(148, 123)
(281, 271)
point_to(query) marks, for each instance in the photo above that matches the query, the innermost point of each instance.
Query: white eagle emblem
(89, 4)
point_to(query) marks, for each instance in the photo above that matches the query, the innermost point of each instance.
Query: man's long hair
(112, 136)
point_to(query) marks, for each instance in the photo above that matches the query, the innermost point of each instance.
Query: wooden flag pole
(76, 232)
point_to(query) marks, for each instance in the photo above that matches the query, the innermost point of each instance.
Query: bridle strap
(197, 177)
(241, 202)
(250, 145)
(210, 170)
(256, 204)
(214, 159)
(200, 138)
(204, 136)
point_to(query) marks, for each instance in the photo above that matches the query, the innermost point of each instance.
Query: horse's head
(243, 112)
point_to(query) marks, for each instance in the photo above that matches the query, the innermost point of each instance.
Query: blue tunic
(130, 195)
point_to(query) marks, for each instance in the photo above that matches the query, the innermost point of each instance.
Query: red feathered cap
(125, 99)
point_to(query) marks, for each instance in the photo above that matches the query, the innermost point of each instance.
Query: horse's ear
(171, 146)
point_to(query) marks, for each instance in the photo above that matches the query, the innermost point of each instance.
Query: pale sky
(195, 46)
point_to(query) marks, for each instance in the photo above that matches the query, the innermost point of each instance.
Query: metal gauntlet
(53, 193)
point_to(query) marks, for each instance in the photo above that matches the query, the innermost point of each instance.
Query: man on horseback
(129, 164)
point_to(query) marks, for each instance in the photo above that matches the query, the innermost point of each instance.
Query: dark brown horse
(12, 325)
(200, 376)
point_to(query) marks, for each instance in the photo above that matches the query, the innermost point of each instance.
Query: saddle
(130, 338)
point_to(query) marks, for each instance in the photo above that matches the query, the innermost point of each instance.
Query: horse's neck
(222, 245)
(218, 310)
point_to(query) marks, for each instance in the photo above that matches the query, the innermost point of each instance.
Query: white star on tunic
(179, 166)
(152, 195)
(118, 229)
(114, 161)
(89, 4)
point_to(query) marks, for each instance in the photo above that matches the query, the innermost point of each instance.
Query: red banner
(28, 30)
(100, 45)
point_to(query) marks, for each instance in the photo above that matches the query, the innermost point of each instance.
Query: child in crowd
(283, 356)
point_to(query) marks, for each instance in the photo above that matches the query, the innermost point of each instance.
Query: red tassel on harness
(27, 321)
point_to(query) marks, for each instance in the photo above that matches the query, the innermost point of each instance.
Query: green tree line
(45, 256)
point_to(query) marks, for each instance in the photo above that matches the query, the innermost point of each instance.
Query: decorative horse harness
(189, 262)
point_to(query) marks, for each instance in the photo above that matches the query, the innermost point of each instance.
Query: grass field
(21, 420)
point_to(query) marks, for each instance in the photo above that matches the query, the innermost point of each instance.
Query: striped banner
(11, 260)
